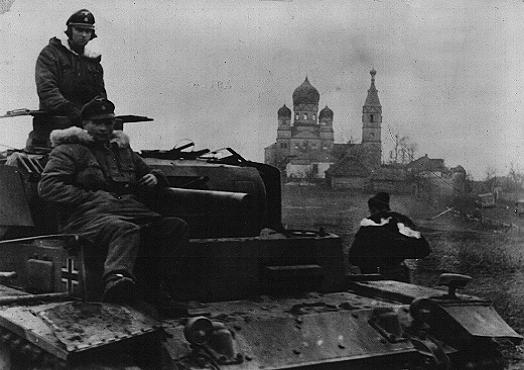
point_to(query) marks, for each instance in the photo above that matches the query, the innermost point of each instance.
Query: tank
(255, 295)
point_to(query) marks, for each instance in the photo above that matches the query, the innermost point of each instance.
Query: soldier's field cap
(82, 19)
(379, 201)
(98, 109)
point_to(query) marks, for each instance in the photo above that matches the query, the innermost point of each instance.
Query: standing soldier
(68, 75)
(384, 240)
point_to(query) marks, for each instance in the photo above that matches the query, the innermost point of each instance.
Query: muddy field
(492, 256)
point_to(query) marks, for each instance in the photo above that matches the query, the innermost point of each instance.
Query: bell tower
(371, 126)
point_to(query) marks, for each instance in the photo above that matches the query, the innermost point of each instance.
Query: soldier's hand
(148, 180)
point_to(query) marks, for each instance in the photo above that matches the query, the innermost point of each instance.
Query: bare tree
(516, 178)
(490, 173)
(410, 149)
(490, 179)
(403, 151)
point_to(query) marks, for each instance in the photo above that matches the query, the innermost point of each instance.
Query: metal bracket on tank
(211, 342)
(386, 321)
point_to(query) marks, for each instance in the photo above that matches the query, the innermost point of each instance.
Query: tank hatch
(468, 314)
(479, 319)
(71, 330)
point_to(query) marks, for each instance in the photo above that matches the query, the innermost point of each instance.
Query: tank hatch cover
(399, 291)
(72, 327)
(480, 319)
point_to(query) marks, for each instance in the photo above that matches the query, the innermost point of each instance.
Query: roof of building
(348, 166)
(426, 164)
(339, 150)
(272, 146)
(388, 174)
(325, 112)
(306, 94)
(372, 98)
(458, 168)
(284, 111)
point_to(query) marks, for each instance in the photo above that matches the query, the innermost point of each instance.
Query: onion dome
(284, 112)
(305, 94)
(325, 112)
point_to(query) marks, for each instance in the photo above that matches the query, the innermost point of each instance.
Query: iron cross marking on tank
(70, 275)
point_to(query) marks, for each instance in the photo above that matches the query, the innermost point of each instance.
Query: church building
(305, 146)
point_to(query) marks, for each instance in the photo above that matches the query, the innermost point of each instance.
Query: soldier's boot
(119, 289)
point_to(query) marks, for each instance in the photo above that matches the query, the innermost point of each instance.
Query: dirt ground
(492, 255)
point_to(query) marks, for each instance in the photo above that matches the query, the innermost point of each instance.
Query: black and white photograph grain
(262, 184)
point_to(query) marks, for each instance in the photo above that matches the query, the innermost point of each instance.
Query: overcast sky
(449, 73)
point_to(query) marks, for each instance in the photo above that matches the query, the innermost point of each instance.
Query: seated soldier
(98, 182)
(384, 240)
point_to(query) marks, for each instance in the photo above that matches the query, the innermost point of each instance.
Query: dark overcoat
(66, 80)
(384, 240)
(92, 183)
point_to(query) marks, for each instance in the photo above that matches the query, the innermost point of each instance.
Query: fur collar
(90, 50)
(77, 135)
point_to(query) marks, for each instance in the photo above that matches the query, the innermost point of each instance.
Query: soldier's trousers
(155, 242)
(162, 247)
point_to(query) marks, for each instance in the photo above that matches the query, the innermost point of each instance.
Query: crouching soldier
(96, 180)
(384, 240)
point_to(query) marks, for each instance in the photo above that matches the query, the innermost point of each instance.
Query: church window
(296, 116)
(370, 118)
(314, 116)
(305, 116)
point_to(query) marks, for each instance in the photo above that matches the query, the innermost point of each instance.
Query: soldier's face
(80, 36)
(100, 129)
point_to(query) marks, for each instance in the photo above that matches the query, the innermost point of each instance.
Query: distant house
(392, 179)
(309, 165)
(458, 169)
(427, 166)
(348, 173)
(479, 187)
(431, 178)
(486, 200)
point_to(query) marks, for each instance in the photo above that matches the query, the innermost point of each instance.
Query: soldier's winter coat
(93, 183)
(66, 80)
(384, 240)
